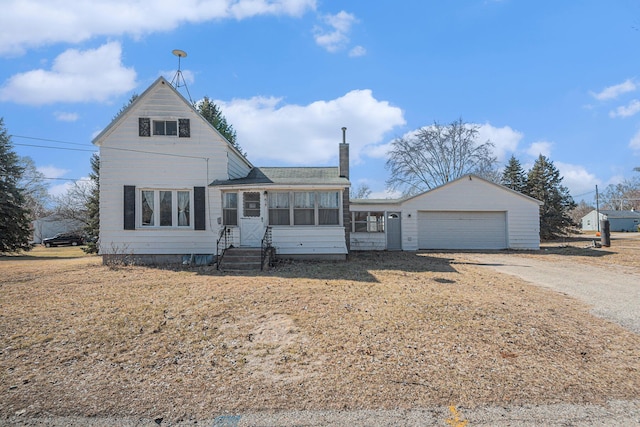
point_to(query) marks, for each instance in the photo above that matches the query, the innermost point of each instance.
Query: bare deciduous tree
(437, 154)
(73, 203)
(622, 196)
(363, 191)
(34, 188)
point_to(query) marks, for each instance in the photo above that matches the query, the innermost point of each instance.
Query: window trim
(229, 209)
(175, 211)
(155, 122)
(147, 127)
(380, 219)
(315, 208)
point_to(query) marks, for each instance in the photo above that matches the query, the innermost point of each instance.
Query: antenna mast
(175, 82)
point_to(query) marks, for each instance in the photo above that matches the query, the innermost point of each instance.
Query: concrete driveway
(613, 292)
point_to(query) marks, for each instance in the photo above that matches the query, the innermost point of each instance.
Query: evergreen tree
(545, 184)
(514, 176)
(213, 114)
(15, 230)
(125, 106)
(92, 229)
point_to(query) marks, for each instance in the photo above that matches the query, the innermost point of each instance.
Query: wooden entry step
(241, 259)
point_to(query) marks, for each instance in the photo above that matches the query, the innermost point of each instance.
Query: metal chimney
(344, 155)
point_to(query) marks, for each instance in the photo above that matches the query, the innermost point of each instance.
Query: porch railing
(225, 240)
(266, 248)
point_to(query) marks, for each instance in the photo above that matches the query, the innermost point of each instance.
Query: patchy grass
(384, 330)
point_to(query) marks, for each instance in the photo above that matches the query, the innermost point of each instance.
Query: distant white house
(618, 220)
(51, 225)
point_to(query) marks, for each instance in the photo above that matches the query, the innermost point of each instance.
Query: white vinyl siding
(467, 194)
(129, 160)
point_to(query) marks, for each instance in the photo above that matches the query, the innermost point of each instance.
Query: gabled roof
(289, 176)
(619, 214)
(465, 177)
(161, 81)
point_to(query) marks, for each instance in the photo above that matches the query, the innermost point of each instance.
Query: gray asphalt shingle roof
(289, 176)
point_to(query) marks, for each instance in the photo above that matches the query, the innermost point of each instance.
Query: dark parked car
(62, 239)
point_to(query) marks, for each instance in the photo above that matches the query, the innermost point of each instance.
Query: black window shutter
(199, 209)
(144, 126)
(129, 207)
(184, 128)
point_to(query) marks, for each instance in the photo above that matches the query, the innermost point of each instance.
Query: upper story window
(180, 128)
(165, 127)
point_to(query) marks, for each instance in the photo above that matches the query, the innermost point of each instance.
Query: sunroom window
(230, 208)
(328, 208)
(279, 208)
(368, 222)
(304, 208)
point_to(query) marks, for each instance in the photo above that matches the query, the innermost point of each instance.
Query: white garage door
(462, 230)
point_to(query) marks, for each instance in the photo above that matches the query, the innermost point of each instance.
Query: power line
(95, 149)
(54, 148)
(50, 140)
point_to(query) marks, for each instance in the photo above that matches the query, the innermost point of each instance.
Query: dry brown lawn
(384, 330)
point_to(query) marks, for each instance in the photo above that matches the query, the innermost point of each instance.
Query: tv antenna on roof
(175, 82)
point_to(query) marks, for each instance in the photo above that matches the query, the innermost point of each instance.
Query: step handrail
(265, 246)
(223, 237)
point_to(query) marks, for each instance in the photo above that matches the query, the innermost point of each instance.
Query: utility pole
(597, 209)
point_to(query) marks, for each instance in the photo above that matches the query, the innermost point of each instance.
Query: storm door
(251, 224)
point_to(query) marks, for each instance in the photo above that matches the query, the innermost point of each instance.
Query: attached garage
(462, 230)
(468, 213)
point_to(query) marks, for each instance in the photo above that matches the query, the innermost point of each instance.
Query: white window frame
(153, 127)
(374, 222)
(316, 208)
(156, 211)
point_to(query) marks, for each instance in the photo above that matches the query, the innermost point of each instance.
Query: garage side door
(462, 230)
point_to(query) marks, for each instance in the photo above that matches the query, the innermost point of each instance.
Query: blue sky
(538, 77)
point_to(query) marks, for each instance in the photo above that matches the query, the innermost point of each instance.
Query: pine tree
(545, 184)
(92, 229)
(514, 176)
(15, 230)
(212, 113)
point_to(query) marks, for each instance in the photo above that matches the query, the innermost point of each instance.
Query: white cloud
(540, 147)
(66, 117)
(51, 171)
(75, 76)
(504, 139)
(634, 144)
(336, 37)
(626, 111)
(357, 51)
(576, 178)
(274, 133)
(614, 91)
(188, 76)
(31, 23)
(386, 194)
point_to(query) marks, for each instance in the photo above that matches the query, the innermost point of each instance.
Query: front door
(394, 233)
(251, 224)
